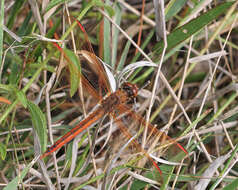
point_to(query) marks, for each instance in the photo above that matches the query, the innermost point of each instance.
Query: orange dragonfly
(117, 105)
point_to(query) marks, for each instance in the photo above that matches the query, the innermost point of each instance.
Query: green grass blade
(173, 8)
(14, 11)
(25, 28)
(107, 39)
(220, 111)
(54, 3)
(195, 122)
(194, 10)
(186, 31)
(124, 56)
(1, 33)
(115, 34)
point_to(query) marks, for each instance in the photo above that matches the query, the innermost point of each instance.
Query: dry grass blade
(13, 35)
(210, 171)
(208, 56)
(142, 178)
(36, 12)
(160, 19)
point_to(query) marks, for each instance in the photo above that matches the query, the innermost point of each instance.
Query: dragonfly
(116, 104)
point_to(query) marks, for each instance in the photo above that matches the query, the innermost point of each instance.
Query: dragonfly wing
(153, 142)
(96, 73)
(93, 68)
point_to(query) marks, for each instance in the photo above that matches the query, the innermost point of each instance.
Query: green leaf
(8, 88)
(14, 183)
(232, 186)
(22, 98)
(53, 3)
(15, 74)
(75, 70)
(109, 10)
(3, 151)
(186, 31)
(173, 8)
(39, 123)
(196, 8)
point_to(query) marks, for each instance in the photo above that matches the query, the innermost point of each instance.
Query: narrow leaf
(3, 151)
(1, 32)
(39, 123)
(14, 183)
(107, 39)
(14, 11)
(22, 98)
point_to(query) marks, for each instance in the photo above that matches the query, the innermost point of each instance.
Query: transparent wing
(95, 70)
(147, 142)
(96, 73)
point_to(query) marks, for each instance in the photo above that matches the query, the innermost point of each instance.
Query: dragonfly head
(130, 89)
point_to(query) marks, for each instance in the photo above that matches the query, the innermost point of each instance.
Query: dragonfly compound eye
(130, 89)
